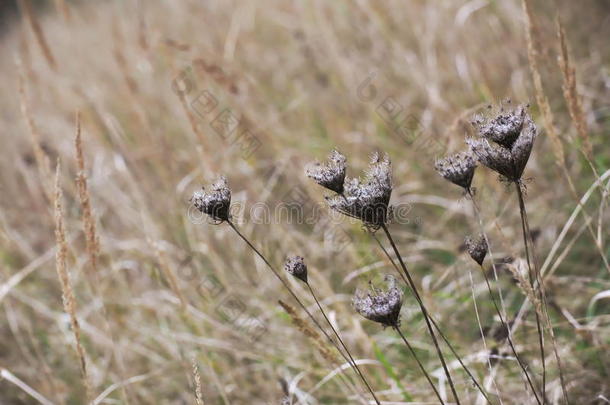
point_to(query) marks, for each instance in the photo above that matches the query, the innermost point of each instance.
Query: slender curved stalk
(493, 299)
(526, 237)
(531, 275)
(424, 312)
(435, 324)
(353, 362)
(421, 367)
(285, 284)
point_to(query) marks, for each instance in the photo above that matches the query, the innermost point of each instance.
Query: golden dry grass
(147, 288)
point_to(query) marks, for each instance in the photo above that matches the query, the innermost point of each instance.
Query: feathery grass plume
(541, 99)
(216, 202)
(91, 238)
(477, 248)
(68, 299)
(310, 333)
(381, 306)
(570, 93)
(30, 15)
(295, 266)
(508, 153)
(368, 200)
(197, 378)
(519, 272)
(330, 175)
(458, 169)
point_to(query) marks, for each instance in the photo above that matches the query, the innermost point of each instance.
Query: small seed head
(215, 202)
(380, 306)
(295, 266)
(477, 248)
(330, 175)
(458, 169)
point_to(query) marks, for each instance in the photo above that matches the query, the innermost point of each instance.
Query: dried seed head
(458, 168)
(368, 200)
(216, 202)
(509, 153)
(477, 248)
(330, 175)
(380, 306)
(295, 266)
(504, 128)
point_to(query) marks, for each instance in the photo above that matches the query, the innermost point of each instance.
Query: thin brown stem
(296, 298)
(440, 332)
(352, 361)
(421, 366)
(531, 271)
(528, 237)
(493, 299)
(424, 312)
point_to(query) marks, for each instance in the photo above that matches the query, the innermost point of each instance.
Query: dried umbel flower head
(216, 201)
(295, 266)
(368, 200)
(508, 153)
(378, 305)
(503, 128)
(477, 248)
(458, 168)
(330, 175)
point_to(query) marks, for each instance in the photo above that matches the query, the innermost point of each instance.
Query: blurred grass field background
(298, 78)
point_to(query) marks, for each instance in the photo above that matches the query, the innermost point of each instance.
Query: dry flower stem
(424, 312)
(277, 275)
(421, 367)
(440, 332)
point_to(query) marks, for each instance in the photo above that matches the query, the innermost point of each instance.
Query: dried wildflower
(458, 168)
(477, 248)
(330, 175)
(295, 266)
(368, 200)
(216, 202)
(504, 128)
(513, 135)
(380, 306)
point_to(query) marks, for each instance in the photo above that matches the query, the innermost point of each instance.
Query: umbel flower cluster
(505, 141)
(503, 144)
(382, 306)
(367, 199)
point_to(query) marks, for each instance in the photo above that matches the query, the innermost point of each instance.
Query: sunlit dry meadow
(115, 289)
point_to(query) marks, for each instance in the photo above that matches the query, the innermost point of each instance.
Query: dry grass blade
(28, 12)
(519, 273)
(68, 299)
(63, 8)
(42, 160)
